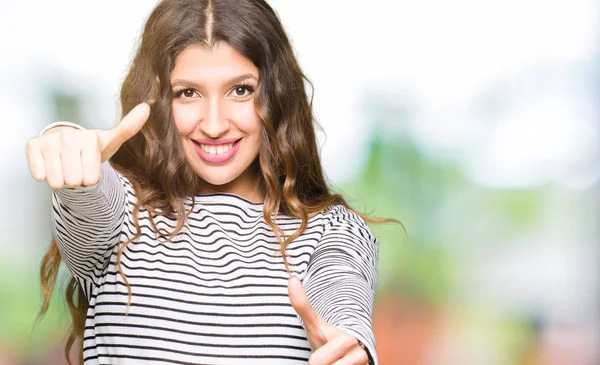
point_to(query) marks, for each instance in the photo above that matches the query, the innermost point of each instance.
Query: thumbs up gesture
(66, 156)
(330, 345)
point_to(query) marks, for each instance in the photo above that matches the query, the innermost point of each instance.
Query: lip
(224, 157)
(215, 142)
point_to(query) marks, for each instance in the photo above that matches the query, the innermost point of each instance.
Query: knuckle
(49, 143)
(72, 182)
(56, 185)
(72, 177)
(91, 142)
(38, 174)
(32, 145)
(66, 136)
(91, 180)
(38, 177)
(88, 141)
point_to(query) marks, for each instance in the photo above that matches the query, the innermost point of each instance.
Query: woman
(201, 230)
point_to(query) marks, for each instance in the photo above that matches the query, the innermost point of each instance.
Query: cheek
(185, 117)
(246, 118)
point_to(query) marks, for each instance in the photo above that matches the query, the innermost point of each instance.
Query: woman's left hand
(330, 345)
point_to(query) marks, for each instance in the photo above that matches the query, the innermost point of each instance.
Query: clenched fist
(66, 156)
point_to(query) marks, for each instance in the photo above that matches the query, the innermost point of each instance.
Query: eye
(185, 93)
(242, 91)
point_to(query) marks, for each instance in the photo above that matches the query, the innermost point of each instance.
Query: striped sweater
(217, 292)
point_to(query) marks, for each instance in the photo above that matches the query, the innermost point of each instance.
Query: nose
(214, 124)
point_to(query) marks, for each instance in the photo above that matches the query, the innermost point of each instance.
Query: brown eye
(242, 91)
(185, 93)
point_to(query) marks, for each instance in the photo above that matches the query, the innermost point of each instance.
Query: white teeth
(216, 150)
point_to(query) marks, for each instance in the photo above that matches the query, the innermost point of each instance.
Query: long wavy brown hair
(290, 176)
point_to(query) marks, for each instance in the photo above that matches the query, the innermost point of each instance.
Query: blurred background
(475, 123)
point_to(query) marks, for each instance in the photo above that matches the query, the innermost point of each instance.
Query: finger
(127, 128)
(333, 350)
(302, 305)
(70, 156)
(54, 174)
(313, 324)
(90, 159)
(356, 356)
(35, 160)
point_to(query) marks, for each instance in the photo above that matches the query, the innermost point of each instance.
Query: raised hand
(66, 156)
(330, 345)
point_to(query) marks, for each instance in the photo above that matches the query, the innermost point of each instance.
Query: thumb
(313, 324)
(112, 139)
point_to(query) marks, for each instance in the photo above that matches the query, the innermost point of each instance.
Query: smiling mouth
(217, 149)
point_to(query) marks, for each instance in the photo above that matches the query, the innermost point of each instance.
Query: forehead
(211, 65)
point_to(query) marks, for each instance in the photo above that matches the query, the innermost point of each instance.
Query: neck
(246, 185)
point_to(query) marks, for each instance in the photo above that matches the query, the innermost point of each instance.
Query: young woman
(200, 229)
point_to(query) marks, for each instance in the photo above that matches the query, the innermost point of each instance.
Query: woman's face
(214, 112)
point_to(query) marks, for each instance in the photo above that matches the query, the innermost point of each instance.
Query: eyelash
(179, 93)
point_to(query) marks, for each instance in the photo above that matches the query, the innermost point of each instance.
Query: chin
(217, 178)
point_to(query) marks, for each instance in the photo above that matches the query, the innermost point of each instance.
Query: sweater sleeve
(341, 276)
(87, 223)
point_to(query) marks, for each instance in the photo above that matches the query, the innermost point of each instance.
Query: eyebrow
(230, 82)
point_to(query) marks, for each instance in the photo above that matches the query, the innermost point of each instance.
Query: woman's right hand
(66, 156)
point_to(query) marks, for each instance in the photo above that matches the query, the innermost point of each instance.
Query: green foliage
(445, 214)
(21, 301)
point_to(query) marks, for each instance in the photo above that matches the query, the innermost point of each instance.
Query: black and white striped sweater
(217, 293)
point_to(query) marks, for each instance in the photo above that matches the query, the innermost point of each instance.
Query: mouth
(217, 153)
